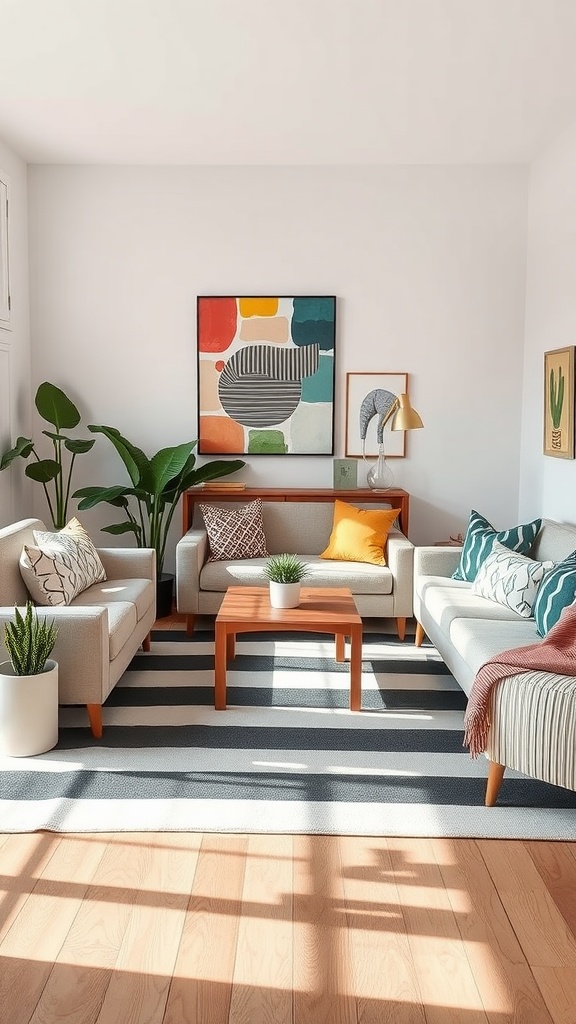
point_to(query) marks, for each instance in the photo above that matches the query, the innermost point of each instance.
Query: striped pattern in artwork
(261, 385)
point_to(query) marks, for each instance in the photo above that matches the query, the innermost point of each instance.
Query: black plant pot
(164, 590)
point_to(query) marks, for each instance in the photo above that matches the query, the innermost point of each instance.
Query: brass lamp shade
(406, 418)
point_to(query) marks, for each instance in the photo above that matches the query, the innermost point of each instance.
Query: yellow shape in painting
(258, 307)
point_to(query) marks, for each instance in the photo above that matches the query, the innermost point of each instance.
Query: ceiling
(285, 81)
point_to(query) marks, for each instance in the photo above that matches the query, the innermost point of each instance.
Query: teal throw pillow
(556, 591)
(480, 537)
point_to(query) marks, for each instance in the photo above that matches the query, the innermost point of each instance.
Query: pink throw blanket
(556, 652)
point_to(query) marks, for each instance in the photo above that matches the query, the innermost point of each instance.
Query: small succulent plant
(286, 569)
(29, 641)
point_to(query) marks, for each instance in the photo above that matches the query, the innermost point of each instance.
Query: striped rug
(286, 756)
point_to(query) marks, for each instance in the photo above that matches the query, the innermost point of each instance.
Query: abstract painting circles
(266, 375)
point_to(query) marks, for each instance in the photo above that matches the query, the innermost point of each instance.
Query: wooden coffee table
(321, 610)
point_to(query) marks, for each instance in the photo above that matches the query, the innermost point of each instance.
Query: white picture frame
(358, 387)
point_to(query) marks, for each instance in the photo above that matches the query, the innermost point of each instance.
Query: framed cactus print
(559, 402)
(266, 374)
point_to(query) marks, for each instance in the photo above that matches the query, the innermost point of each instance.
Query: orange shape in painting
(221, 436)
(258, 307)
(217, 316)
(208, 386)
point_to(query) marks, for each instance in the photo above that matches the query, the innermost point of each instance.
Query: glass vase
(380, 477)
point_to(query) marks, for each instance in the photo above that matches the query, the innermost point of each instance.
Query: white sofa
(100, 631)
(467, 630)
(301, 528)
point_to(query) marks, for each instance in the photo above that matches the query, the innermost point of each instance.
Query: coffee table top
(328, 607)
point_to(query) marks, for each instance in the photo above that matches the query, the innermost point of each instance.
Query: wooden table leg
(340, 646)
(220, 646)
(230, 646)
(356, 668)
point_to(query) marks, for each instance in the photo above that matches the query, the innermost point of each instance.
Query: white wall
(428, 264)
(15, 489)
(548, 485)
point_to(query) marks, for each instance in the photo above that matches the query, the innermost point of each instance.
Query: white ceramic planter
(28, 711)
(284, 595)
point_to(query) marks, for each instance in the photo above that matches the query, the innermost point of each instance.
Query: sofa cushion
(510, 579)
(60, 565)
(359, 534)
(556, 591)
(478, 640)
(235, 532)
(446, 600)
(480, 535)
(360, 577)
(121, 620)
(139, 592)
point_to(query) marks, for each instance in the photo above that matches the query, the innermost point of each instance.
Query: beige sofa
(301, 528)
(100, 631)
(467, 630)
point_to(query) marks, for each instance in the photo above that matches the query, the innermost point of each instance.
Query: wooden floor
(179, 928)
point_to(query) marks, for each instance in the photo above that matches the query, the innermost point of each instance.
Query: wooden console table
(394, 496)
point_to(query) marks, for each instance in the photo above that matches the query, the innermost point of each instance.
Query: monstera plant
(157, 485)
(54, 474)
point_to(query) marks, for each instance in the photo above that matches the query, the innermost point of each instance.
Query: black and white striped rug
(286, 756)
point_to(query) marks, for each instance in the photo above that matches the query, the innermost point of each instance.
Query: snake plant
(29, 641)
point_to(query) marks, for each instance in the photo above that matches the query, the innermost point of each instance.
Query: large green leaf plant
(157, 485)
(54, 474)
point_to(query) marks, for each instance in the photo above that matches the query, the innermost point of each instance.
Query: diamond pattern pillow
(479, 538)
(556, 592)
(510, 579)
(61, 565)
(235, 532)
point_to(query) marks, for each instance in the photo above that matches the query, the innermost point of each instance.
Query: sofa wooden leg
(95, 716)
(420, 634)
(190, 620)
(495, 776)
(401, 628)
(146, 643)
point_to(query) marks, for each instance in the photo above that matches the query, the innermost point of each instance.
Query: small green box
(345, 474)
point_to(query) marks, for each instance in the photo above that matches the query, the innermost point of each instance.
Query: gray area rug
(286, 756)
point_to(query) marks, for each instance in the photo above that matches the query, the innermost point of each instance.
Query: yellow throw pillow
(359, 534)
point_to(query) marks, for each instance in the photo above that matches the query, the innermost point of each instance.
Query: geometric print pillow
(510, 579)
(556, 591)
(61, 565)
(479, 538)
(235, 532)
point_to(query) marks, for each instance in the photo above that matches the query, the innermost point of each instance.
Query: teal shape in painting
(313, 321)
(266, 442)
(314, 332)
(313, 307)
(320, 386)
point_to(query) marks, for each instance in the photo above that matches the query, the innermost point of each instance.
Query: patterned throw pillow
(556, 592)
(479, 538)
(510, 579)
(235, 532)
(61, 565)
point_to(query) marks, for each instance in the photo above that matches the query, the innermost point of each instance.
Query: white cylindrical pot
(28, 711)
(284, 595)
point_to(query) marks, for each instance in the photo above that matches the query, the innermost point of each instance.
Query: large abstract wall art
(266, 374)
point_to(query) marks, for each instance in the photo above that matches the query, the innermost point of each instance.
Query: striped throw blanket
(556, 652)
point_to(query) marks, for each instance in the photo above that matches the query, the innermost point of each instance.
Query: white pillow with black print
(61, 565)
(510, 579)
